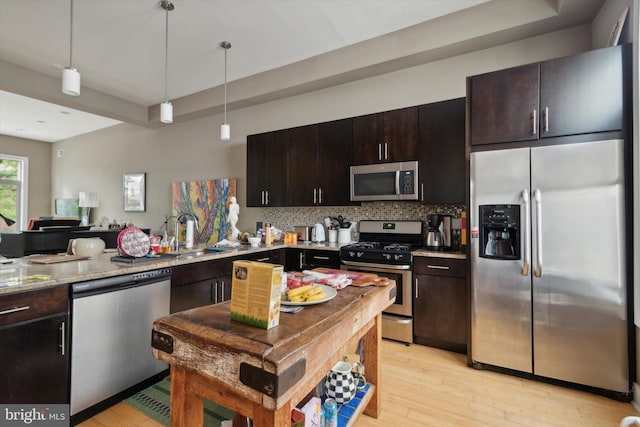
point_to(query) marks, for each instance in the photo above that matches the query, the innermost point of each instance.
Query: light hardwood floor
(424, 386)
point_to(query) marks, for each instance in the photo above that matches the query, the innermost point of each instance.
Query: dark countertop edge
(104, 267)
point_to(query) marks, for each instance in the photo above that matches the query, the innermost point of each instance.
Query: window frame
(22, 183)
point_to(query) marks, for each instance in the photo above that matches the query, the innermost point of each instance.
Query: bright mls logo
(37, 415)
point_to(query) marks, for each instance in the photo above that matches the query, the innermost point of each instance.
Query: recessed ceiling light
(65, 112)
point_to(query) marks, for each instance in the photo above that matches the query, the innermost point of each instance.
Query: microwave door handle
(397, 182)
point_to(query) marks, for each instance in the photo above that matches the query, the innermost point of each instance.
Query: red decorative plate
(133, 242)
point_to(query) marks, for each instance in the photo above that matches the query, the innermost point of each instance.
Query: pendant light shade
(71, 76)
(166, 108)
(70, 81)
(166, 112)
(225, 129)
(225, 132)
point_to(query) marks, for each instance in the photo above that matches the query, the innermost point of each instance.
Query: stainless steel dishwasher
(111, 326)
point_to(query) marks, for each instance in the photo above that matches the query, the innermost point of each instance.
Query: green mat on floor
(153, 401)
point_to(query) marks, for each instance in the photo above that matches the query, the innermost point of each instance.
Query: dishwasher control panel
(152, 274)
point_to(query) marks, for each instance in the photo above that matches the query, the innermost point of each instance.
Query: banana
(317, 297)
(313, 291)
(298, 291)
(306, 293)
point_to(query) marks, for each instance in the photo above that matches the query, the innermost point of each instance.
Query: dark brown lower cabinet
(307, 259)
(34, 338)
(198, 284)
(440, 310)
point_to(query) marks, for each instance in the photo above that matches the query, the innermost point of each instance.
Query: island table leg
(187, 409)
(372, 343)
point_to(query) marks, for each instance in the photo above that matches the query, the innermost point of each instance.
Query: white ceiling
(119, 45)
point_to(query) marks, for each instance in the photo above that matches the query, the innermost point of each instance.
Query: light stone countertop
(22, 275)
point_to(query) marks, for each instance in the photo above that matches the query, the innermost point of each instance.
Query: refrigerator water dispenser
(499, 231)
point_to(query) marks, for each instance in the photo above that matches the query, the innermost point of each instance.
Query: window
(13, 192)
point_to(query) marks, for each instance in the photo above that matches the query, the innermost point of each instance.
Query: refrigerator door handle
(537, 195)
(526, 262)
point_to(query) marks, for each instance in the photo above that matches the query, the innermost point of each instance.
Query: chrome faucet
(178, 221)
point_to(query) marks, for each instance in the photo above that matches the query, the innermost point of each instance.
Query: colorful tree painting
(209, 201)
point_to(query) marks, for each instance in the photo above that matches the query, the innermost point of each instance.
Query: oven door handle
(369, 264)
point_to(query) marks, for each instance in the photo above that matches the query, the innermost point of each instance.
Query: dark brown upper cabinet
(390, 136)
(572, 95)
(441, 151)
(267, 168)
(319, 160)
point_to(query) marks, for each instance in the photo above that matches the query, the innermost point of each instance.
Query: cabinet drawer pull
(325, 258)
(263, 259)
(438, 267)
(15, 310)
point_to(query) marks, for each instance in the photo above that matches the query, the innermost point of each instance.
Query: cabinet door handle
(319, 196)
(266, 199)
(386, 151)
(263, 259)
(422, 191)
(416, 291)
(215, 293)
(15, 310)
(314, 196)
(262, 197)
(222, 289)
(438, 267)
(379, 151)
(324, 258)
(62, 338)
(534, 126)
(301, 260)
(546, 119)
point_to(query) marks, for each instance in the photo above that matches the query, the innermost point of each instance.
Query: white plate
(328, 290)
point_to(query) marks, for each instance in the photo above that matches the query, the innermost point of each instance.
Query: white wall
(192, 150)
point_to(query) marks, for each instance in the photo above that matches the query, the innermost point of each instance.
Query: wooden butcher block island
(262, 374)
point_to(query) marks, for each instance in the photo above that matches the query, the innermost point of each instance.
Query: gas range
(384, 248)
(384, 242)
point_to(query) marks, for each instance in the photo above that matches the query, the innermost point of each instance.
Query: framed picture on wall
(134, 192)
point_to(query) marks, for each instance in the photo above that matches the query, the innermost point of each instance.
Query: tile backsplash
(286, 218)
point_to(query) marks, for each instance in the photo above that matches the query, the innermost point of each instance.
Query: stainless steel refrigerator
(548, 262)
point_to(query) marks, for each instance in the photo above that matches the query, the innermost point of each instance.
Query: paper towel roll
(189, 240)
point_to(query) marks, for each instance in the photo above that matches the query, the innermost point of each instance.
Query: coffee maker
(439, 233)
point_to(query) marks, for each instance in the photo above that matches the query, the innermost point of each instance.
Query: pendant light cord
(225, 85)
(71, 38)
(166, 54)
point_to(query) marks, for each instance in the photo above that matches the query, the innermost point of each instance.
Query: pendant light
(225, 129)
(71, 76)
(166, 108)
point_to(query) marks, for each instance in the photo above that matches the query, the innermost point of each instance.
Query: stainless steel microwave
(384, 181)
